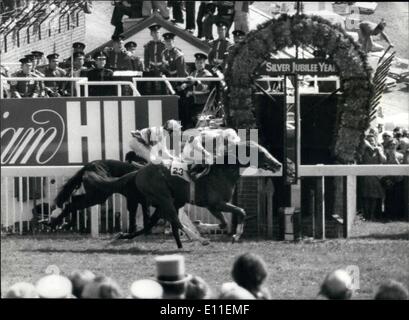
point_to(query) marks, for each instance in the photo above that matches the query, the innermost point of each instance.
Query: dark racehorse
(214, 191)
(97, 194)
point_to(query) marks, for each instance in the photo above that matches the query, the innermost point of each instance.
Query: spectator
(394, 188)
(337, 286)
(54, 88)
(190, 16)
(146, 289)
(173, 58)
(171, 275)
(232, 291)
(392, 290)
(100, 73)
(79, 280)
(117, 57)
(208, 20)
(225, 13)
(219, 47)
(241, 15)
(197, 289)
(136, 9)
(153, 61)
(54, 286)
(367, 30)
(161, 6)
(370, 187)
(249, 271)
(121, 9)
(136, 62)
(22, 290)
(177, 13)
(25, 89)
(387, 136)
(199, 20)
(102, 288)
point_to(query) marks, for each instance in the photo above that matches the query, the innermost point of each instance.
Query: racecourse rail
(60, 174)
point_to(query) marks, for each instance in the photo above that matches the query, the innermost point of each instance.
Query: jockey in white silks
(150, 143)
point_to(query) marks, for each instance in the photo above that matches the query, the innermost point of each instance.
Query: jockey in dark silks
(203, 149)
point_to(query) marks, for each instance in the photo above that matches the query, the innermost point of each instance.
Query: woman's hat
(22, 290)
(146, 289)
(54, 286)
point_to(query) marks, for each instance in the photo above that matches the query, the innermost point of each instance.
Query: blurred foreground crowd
(249, 273)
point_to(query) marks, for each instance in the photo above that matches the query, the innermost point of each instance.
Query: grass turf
(295, 270)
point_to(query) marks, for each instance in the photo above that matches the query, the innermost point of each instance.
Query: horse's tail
(68, 188)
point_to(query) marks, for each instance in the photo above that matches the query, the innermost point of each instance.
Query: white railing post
(94, 222)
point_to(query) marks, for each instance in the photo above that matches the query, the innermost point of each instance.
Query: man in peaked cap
(197, 92)
(153, 61)
(117, 56)
(25, 89)
(136, 62)
(238, 36)
(54, 88)
(100, 73)
(78, 70)
(219, 47)
(173, 61)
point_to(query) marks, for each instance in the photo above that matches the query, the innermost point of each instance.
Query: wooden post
(269, 194)
(320, 203)
(94, 222)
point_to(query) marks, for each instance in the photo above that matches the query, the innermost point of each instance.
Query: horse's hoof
(205, 242)
(120, 236)
(234, 239)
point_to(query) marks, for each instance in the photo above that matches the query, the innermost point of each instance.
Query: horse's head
(264, 159)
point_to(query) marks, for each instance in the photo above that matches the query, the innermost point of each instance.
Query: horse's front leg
(240, 213)
(218, 215)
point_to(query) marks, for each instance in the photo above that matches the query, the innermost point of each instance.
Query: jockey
(150, 143)
(203, 149)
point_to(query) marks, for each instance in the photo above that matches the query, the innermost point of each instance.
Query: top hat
(54, 286)
(168, 35)
(200, 56)
(78, 45)
(155, 27)
(53, 56)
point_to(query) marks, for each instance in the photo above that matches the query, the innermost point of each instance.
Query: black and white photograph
(204, 150)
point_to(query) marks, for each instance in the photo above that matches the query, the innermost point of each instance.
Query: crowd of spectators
(382, 197)
(185, 13)
(249, 273)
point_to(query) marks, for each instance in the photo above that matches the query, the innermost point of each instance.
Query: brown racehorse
(214, 191)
